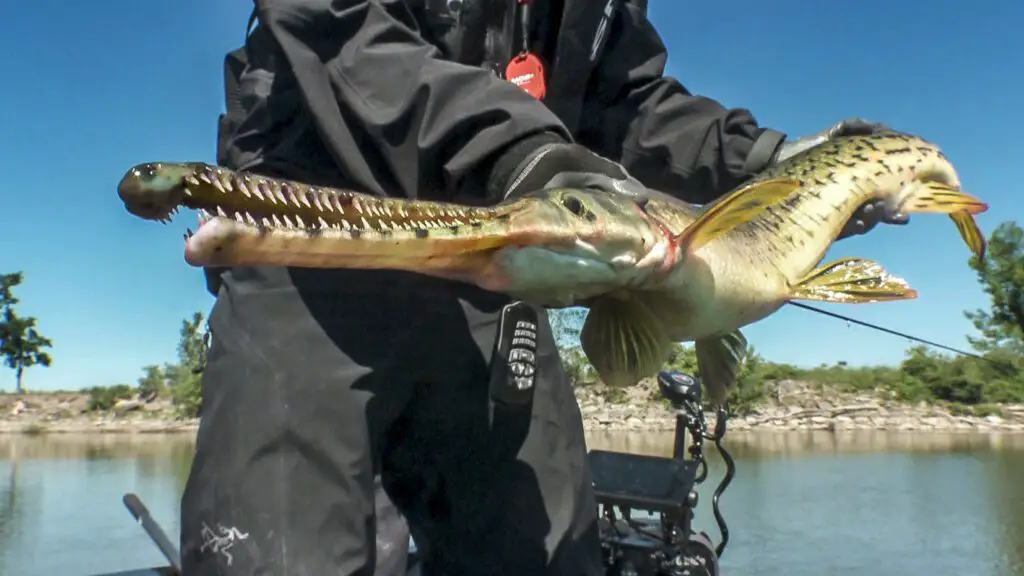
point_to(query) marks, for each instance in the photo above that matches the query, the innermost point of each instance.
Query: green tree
(1001, 274)
(186, 389)
(565, 327)
(153, 382)
(21, 344)
(192, 345)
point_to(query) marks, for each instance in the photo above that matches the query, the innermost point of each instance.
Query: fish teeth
(327, 201)
(224, 182)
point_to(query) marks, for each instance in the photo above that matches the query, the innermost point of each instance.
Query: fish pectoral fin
(719, 359)
(624, 341)
(734, 209)
(967, 226)
(939, 198)
(851, 281)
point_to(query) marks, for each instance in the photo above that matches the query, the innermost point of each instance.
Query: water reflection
(12, 508)
(1005, 478)
(795, 444)
(863, 502)
(94, 446)
(802, 504)
(60, 500)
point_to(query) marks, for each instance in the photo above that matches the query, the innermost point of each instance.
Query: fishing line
(893, 332)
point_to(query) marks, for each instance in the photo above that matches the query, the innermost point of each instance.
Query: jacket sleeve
(685, 145)
(391, 112)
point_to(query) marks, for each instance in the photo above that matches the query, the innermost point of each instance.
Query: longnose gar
(652, 272)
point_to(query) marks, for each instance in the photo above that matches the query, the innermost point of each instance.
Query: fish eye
(574, 205)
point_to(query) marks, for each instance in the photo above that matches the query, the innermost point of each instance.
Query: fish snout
(151, 191)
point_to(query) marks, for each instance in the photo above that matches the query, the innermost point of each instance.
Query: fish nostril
(147, 172)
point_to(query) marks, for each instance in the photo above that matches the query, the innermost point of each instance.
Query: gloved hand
(555, 163)
(848, 127)
(871, 213)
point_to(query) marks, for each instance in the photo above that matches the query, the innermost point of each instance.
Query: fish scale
(835, 178)
(651, 272)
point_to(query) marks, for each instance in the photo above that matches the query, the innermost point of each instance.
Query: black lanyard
(523, 11)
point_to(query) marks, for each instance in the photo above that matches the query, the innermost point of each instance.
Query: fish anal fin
(719, 359)
(736, 208)
(851, 281)
(624, 341)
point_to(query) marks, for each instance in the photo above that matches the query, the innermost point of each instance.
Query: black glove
(872, 212)
(849, 127)
(548, 161)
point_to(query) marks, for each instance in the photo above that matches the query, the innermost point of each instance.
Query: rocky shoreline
(68, 413)
(867, 416)
(795, 406)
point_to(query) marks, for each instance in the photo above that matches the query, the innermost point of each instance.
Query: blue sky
(92, 88)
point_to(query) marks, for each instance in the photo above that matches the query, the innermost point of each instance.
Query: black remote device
(514, 363)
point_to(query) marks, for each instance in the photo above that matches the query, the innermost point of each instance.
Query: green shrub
(103, 398)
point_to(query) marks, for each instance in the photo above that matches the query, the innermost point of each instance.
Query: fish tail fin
(940, 198)
(967, 226)
(736, 208)
(851, 281)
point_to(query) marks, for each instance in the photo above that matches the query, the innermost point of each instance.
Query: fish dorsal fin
(738, 207)
(719, 359)
(851, 281)
(624, 340)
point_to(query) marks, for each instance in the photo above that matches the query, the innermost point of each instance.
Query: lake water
(802, 503)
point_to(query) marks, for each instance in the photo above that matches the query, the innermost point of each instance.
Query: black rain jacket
(406, 97)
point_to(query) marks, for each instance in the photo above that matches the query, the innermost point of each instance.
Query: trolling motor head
(679, 388)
